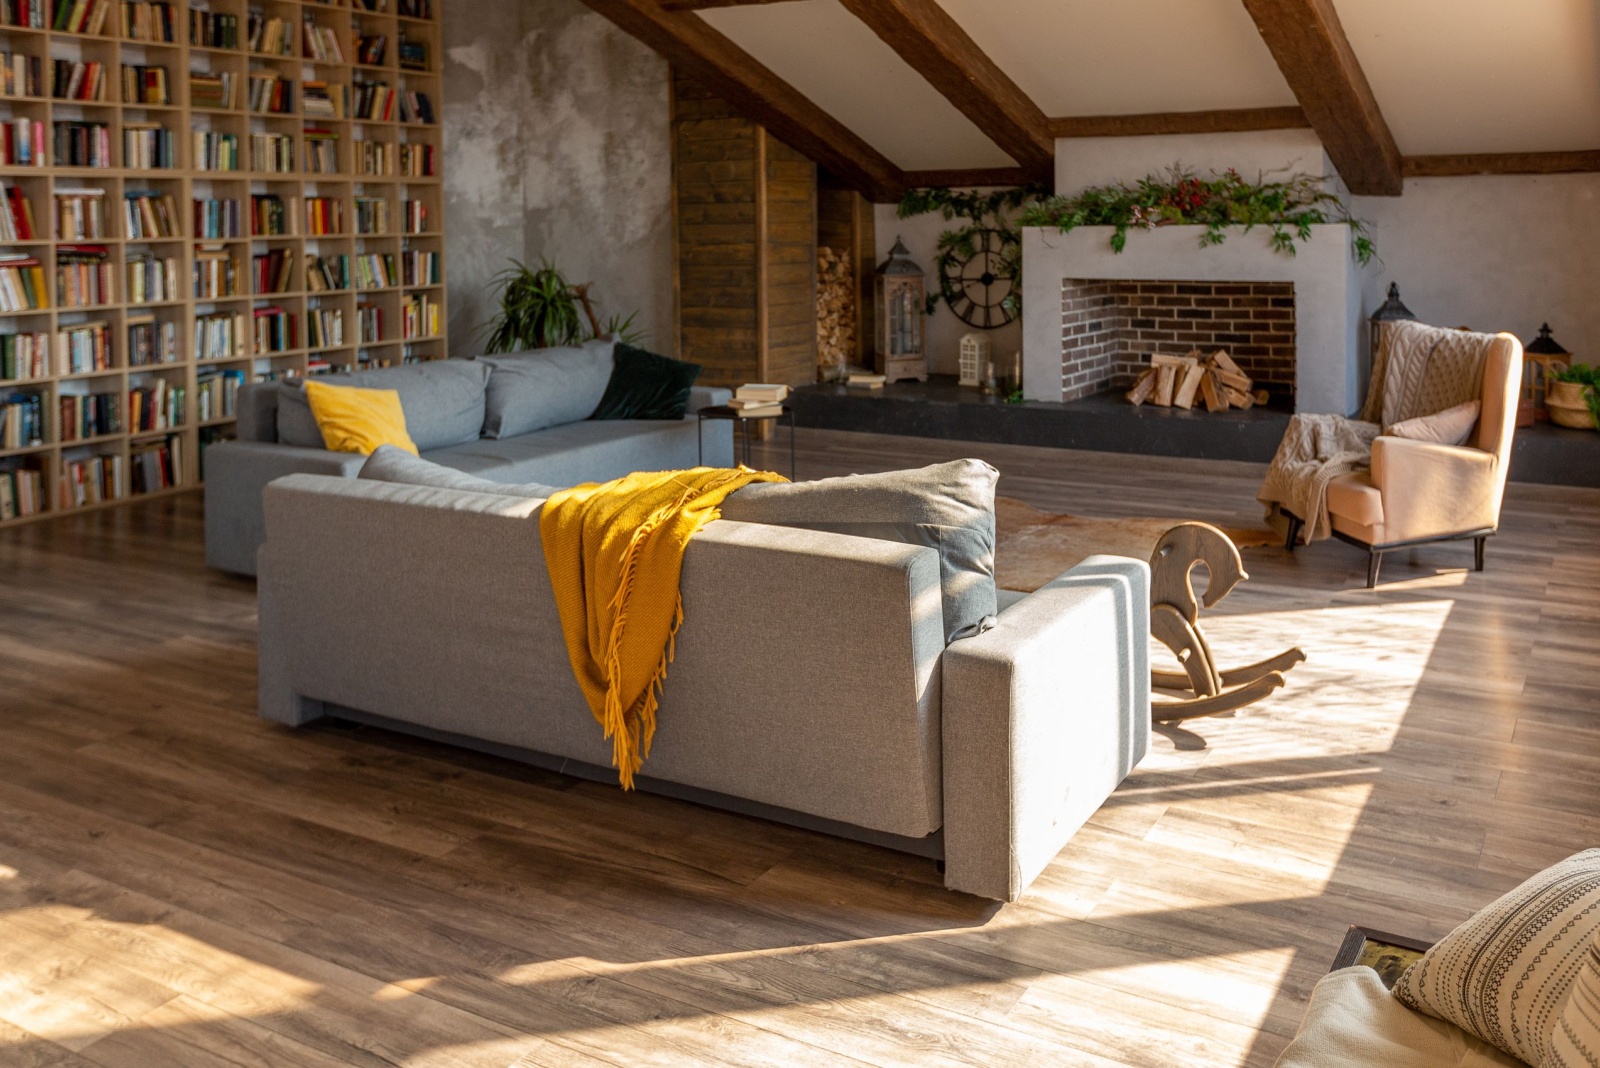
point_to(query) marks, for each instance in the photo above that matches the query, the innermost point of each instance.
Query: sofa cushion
(443, 401)
(646, 386)
(530, 391)
(1530, 943)
(948, 507)
(1575, 1042)
(1353, 1022)
(1354, 497)
(587, 451)
(353, 419)
(389, 464)
(1453, 426)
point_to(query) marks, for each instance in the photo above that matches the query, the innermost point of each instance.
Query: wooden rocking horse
(1175, 622)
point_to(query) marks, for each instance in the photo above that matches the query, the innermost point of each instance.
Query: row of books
(216, 218)
(78, 80)
(371, 48)
(149, 215)
(150, 342)
(321, 42)
(216, 151)
(81, 215)
(416, 217)
(322, 150)
(273, 272)
(92, 480)
(209, 29)
(21, 75)
(83, 349)
(22, 143)
(372, 215)
(148, 147)
(325, 328)
(85, 416)
(219, 336)
(270, 94)
(149, 20)
(216, 394)
(82, 16)
(270, 36)
(22, 283)
(152, 279)
(157, 405)
(386, 158)
(83, 276)
(82, 144)
(215, 274)
(419, 316)
(369, 323)
(275, 330)
(145, 85)
(377, 102)
(419, 268)
(273, 153)
(413, 54)
(21, 492)
(156, 465)
(324, 215)
(24, 356)
(268, 216)
(30, 13)
(21, 420)
(16, 215)
(319, 100)
(212, 90)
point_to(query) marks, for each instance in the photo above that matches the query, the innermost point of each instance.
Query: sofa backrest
(443, 401)
(806, 668)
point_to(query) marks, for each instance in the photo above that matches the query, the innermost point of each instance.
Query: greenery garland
(1289, 208)
(996, 211)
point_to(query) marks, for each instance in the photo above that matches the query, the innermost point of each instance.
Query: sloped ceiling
(829, 55)
(1451, 76)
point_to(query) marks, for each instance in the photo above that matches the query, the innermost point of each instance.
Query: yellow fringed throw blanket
(614, 552)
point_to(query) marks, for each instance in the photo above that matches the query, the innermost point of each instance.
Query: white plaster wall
(1085, 161)
(944, 330)
(557, 144)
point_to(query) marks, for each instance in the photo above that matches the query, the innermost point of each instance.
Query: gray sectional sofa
(815, 681)
(513, 419)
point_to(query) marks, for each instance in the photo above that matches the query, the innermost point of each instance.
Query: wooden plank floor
(184, 884)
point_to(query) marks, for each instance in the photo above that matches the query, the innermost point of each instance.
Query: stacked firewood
(836, 314)
(1184, 381)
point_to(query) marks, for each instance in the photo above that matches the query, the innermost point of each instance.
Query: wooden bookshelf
(344, 142)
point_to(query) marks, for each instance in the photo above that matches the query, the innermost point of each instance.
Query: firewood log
(1142, 389)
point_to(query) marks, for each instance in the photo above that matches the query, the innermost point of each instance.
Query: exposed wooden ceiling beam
(937, 48)
(688, 41)
(969, 178)
(1316, 59)
(701, 5)
(1179, 122)
(1503, 163)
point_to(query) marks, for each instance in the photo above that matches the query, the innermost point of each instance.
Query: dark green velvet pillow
(646, 386)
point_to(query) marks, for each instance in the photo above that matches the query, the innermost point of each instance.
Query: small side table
(724, 412)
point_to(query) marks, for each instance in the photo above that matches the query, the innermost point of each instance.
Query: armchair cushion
(1432, 491)
(1453, 426)
(1355, 498)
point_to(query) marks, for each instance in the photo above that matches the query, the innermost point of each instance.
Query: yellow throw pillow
(358, 420)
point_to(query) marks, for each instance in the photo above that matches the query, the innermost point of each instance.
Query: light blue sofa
(449, 406)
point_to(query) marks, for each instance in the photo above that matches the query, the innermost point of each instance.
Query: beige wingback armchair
(1419, 492)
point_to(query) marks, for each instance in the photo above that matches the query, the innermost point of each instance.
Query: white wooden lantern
(976, 350)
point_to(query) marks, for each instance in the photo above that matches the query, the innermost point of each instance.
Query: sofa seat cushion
(1353, 1022)
(577, 452)
(542, 388)
(948, 507)
(389, 464)
(442, 399)
(1354, 497)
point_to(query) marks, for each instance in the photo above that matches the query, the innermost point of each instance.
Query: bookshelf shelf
(169, 125)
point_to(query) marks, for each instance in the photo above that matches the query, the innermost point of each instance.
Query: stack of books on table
(759, 399)
(865, 380)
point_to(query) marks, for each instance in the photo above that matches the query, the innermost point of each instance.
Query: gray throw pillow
(389, 464)
(443, 401)
(530, 391)
(948, 507)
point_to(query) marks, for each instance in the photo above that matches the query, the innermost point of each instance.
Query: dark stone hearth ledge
(939, 408)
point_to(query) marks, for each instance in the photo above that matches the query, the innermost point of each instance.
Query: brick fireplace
(1110, 328)
(1091, 315)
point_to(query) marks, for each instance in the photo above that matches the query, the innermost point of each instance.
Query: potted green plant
(540, 309)
(1573, 396)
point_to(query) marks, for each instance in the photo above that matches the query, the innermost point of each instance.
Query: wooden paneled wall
(745, 230)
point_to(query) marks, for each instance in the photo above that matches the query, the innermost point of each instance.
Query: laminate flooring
(183, 884)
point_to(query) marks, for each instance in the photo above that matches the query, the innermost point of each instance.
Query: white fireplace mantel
(1327, 296)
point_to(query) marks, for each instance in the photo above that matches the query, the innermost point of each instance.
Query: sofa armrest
(707, 397)
(236, 472)
(1043, 716)
(1430, 489)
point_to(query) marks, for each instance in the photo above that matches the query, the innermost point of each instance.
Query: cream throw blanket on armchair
(1418, 370)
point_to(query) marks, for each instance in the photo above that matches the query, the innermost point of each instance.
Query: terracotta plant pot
(1567, 406)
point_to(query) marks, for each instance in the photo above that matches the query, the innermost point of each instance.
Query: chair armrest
(236, 472)
(1043, 716)
(1430, 489)
(707, 397)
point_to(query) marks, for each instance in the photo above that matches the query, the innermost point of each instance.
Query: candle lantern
(1394, 310)
(1540, 356)
(901, 293)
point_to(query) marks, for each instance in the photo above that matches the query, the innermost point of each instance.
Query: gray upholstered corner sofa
(813, 682)
(514, 419)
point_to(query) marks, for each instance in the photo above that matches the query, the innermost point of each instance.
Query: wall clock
(979, 277)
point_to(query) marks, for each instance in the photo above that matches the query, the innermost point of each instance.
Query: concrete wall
(557, 144)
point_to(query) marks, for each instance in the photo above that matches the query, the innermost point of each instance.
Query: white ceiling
(829, 55)
(1451, 76)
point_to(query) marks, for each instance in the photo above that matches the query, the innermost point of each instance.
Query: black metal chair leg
(1374, 562)
(1479, 546)
(1295, 524)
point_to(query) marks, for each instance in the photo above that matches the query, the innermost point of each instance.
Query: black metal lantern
(1394, 310)
(1540, 356)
